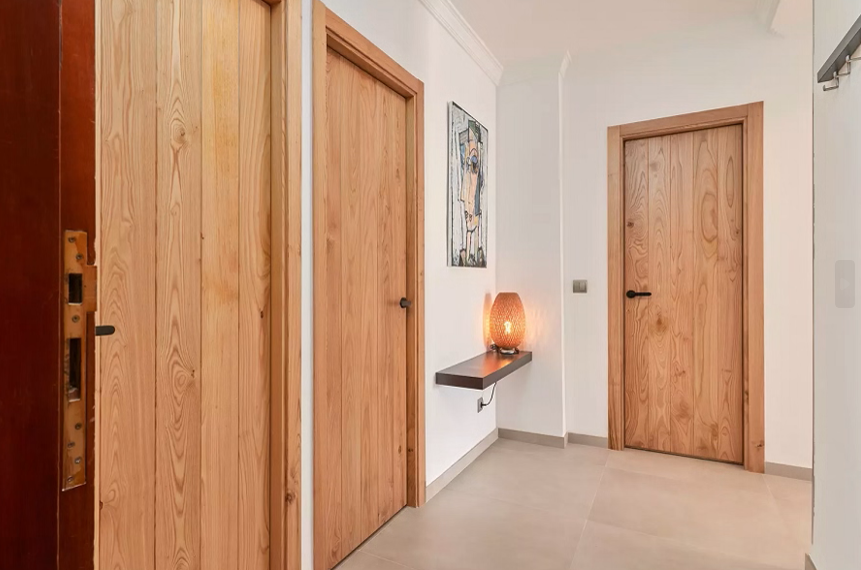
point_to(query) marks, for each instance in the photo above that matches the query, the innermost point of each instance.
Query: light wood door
(360, 428)
(185, 261)
(683, 244)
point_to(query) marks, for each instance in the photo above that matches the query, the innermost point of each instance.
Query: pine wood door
(185, 380)
(360, 426)
(683, 244)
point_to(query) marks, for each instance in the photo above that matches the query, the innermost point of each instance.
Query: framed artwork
(467, 189)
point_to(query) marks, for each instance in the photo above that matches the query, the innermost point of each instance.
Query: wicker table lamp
(507, 322)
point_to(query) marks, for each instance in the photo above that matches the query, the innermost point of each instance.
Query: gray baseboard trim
(789, 471)
(590, 440)
(449, 475)
(809, 565)
(534, 438)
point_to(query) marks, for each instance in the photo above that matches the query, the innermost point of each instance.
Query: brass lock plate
(79, 300)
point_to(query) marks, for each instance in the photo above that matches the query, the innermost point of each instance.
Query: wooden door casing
(683, 345)
(186, 176)
(750, 118)
(78, 204)
(365, 394)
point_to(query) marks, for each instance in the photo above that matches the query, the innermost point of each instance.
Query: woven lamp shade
(507, 322)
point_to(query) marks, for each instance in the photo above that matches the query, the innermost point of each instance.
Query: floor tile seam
(474, 493)
(378, 557)
(687, 545)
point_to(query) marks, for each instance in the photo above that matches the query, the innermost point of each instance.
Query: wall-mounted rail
(842, 55)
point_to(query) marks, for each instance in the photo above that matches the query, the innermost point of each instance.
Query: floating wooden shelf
(483, 371)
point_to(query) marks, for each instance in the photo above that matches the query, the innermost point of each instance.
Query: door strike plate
(79, 300)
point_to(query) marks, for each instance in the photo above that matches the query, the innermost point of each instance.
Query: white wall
(837, 333)
(455, 298)
(530, 242)
(727, 63)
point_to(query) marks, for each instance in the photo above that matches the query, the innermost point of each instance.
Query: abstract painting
(467, 189)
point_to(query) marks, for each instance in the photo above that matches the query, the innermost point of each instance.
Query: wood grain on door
(683, 344)
(362, 439)
(186, 169)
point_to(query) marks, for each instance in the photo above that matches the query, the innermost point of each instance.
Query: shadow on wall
(485, 320)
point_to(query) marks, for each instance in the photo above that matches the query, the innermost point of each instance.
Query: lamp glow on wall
(507, 322)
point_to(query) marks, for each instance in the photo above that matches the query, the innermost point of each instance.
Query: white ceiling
(518, 30)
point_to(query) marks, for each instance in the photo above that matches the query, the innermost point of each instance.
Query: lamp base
(507, 351)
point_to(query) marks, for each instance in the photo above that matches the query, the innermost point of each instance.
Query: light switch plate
(581, 286)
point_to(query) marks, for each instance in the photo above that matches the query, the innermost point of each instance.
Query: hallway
(522, 506)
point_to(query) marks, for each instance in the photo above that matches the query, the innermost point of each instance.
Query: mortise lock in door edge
(79, 299)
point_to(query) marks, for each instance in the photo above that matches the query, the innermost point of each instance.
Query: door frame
(77, 517)
(750, 117)
(285, 451)
(330, 31)
(285, 285)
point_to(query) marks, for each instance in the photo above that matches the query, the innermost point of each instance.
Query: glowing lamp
(507, 322)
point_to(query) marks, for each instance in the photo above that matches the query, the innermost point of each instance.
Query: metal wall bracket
(79, 300)
(840, 56)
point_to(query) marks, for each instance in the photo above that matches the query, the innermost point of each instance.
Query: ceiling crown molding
(536, 69)
(462, 32)
(765, 11)
(566, 63)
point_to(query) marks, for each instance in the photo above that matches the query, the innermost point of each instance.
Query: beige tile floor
(526, 507)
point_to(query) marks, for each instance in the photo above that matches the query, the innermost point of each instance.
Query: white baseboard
(590, 440)
(534, 438)
(789, 471)
(449, 475)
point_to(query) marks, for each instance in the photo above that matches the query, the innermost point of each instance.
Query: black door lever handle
(632, 294)
(105, 330)
(405, 303)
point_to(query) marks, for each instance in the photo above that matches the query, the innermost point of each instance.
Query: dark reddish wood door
(47, 185)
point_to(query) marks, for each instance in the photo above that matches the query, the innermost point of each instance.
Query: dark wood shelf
(483, 371)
